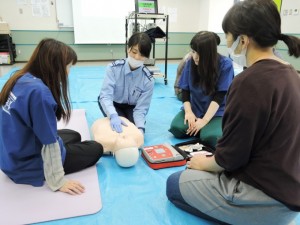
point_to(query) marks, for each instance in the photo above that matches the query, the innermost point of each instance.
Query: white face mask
(238, 58)
(134, 63)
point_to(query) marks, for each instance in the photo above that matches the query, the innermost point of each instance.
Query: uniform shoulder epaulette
(148, 73)
(118, 62)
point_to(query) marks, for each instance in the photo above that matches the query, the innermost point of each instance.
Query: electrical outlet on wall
(112, 53)
(19, 52)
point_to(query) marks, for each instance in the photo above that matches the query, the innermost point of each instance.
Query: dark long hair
(49, 63)
(260, 20)
(143, 41)
(205, 74)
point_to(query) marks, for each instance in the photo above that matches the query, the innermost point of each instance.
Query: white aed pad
(161, 153)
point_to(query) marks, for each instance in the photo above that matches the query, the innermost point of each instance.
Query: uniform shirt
(260, 143)
(28, 123)
(198, 99)
(121, 85)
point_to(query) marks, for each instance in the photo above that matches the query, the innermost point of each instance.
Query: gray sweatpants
(231, 201)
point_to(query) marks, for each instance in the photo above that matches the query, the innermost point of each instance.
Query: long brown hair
(205, 74)
(49, 63)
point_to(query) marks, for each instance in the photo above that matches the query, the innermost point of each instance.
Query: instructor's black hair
(143, 41)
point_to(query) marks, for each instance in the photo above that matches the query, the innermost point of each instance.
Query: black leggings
(79, 155)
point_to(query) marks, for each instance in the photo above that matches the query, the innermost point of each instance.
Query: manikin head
(127, 157)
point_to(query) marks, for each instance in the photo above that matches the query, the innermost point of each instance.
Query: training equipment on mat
(162, 156)
(127, 157)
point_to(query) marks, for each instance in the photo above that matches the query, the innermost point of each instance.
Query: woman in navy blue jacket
(32, 100)
(204, 82)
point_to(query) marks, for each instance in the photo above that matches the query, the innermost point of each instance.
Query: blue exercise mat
(136, 195)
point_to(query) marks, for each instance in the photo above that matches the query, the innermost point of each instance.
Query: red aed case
(163, 156)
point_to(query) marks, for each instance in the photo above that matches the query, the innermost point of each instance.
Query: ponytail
(293, 44)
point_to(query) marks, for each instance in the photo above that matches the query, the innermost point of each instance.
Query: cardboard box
(5, 58)
(4, 28)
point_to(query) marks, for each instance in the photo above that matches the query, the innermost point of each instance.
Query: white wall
(64, 17)
(217, 10)
(290, 16)
(195, 15)
(185, 15)
(21, 17)
(100, 21)
(203, 15)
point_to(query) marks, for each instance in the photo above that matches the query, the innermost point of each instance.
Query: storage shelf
(149, 16)
(153, 17)
(9, 47)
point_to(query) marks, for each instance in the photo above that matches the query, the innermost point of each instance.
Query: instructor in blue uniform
(128, 86)
(32, 150)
